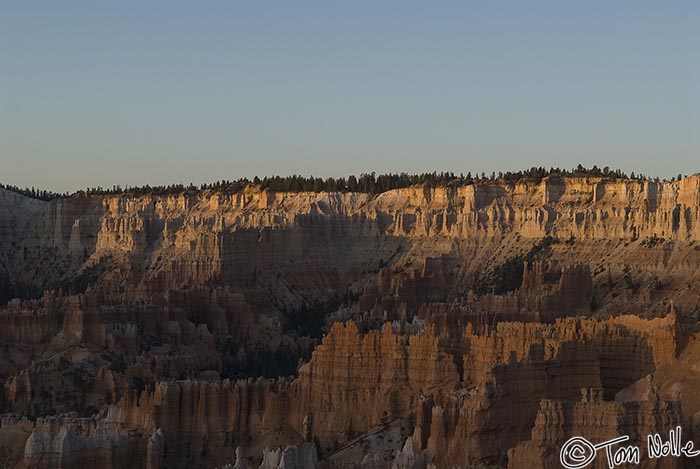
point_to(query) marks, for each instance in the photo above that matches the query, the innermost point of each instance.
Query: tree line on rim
(369, 183)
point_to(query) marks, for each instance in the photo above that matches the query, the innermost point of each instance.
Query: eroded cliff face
(322, 242)
(357, 384)
(510, 369)
(178, 328)
(598, 421)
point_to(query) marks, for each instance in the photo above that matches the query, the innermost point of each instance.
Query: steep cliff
(177, 328)
(597, 421)
(321, 242)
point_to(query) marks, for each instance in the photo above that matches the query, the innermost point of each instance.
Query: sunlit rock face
(420, 327)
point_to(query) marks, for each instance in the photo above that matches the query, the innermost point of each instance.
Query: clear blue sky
(126, 92)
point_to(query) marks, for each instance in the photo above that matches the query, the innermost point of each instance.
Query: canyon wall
(461, 323)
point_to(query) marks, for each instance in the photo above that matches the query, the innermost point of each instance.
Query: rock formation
(597, 421)
(420, 327)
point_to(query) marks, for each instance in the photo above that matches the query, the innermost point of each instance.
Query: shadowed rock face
(598, 421)
(166, 331)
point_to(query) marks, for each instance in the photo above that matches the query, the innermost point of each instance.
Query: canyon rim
(467, 323)
(349, 235)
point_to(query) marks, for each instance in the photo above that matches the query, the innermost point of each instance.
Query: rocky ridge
(178, 328)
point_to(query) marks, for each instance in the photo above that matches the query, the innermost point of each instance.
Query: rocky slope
(459, 324)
